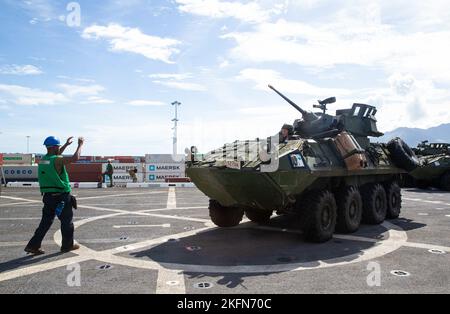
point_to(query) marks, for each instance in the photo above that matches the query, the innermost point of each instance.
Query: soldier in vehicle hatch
(286, 133)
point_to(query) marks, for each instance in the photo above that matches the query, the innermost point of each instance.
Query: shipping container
(121, 178)
(165, 167)
(119, 167)
(161, 177)
(20, 173)
(163, 158)
(18, 159)
(85, 172)
(178, 180)
(85, 159)
(104, 161)
(124, 159)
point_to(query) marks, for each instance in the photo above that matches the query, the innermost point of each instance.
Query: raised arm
(68, 143)
(61, 161)
(76, 156)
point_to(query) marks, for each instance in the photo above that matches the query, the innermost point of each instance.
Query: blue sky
(112, 78)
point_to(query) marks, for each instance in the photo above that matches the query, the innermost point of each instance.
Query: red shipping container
(178, 180)
(127, 161)
(123, 159)
(85, 172)
(87, 158)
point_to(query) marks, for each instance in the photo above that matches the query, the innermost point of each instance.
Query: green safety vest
(49, 179)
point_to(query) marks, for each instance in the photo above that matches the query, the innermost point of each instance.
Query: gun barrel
(293, 104)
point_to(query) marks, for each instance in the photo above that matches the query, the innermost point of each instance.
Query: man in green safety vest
(55, 187)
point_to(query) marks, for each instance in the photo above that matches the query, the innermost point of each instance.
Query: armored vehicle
(428, 164)
(429, 149)
(326, 174)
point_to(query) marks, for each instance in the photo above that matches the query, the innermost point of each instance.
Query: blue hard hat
(52, 141)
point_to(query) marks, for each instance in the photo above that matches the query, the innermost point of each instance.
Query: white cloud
(402, 84)
(82, 80)
(182, 85)
(262, 111)
(138, 138)
(417, 15)
(134, 40)
(224, 64)
(346, 41)
(406, 101)
(15, 69)
(305, 44)
(403, 100)
(250, 12)
(177, 81)
(98, 101)
(396, 55)
(263, 77)
(79, 90)
(29, 96)
(174, 76)
(144, 103)
(38, 58)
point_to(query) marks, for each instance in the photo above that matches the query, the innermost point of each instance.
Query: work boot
(73, 248)
(34, 252)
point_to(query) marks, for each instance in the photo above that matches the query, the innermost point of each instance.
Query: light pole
(28, 144)
(175, 121)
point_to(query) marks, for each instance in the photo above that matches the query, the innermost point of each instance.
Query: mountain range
(413, 136)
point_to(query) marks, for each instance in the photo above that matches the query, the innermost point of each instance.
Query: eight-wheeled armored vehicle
(327, 174)
(428, 164)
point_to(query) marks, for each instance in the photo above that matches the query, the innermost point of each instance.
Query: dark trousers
(51, 201)
(110, 175)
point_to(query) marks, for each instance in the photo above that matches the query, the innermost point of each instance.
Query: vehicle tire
(445, 181)
(319, 214)
(402, 155)
(225, 217)
(349, 210)
(374, 204)
(258, 216)
(394, 200)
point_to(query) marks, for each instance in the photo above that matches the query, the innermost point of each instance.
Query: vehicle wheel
(258, 216)
(349, 210)
(402, 155)
(225, 217)
(319, 216)
(445, 181)
(374, 204)
(394, 200)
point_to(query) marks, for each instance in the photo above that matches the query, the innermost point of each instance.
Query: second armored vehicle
(428, 164)
(326, 173)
